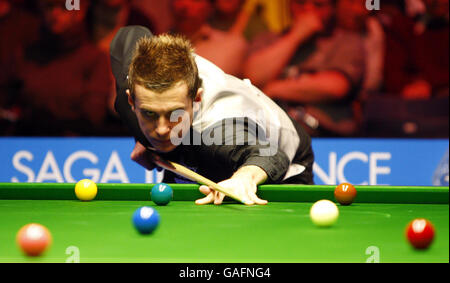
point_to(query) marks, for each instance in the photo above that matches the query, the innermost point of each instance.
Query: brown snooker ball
(345, 193)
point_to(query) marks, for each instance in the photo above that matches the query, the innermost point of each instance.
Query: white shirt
(226, 96)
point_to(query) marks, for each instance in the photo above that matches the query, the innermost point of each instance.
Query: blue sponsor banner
(103, 160)
(397, 162)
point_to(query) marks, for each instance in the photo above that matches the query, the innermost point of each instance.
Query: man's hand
(244, 182)
(142, 157)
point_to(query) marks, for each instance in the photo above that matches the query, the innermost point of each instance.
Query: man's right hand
(141, 156)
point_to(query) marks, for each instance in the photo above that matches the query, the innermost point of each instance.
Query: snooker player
(189, 111)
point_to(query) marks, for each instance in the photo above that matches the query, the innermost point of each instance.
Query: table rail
(189, 192)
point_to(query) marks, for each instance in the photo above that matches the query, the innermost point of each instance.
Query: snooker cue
(191, 175)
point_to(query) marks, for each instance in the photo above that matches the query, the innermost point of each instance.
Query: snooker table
(372, 229)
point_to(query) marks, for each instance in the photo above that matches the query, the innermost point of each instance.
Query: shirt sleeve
(243, 143)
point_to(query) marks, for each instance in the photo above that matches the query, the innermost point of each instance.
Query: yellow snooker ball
(85, 190)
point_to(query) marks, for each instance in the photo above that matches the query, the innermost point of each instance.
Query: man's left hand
(244, 183)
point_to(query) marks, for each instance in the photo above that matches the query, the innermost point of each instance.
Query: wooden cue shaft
(191, 175)
(186, 172)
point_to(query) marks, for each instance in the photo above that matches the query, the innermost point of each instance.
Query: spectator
(430, 52)
(18, 27)
(352, 15)
(415, 69)
(225, 13)
(158, 10)
(315, 68)
(215, 45)
(190, 16)
(65, 78)
(263, 16)
(375, 45)
(238, 16)
(106, 17)
(5, 8)
(417, 61)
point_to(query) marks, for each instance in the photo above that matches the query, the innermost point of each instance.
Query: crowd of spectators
(337, 67)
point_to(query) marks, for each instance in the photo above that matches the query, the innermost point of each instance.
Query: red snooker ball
(33, 239)
(345, 193)
(420, 233)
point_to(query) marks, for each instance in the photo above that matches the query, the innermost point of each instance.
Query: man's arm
(267, 64)
(332, 79)
(310, 88)
(251, 168)
(244, 144)
(252, 172)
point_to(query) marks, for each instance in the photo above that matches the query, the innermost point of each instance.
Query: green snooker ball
(161, 194)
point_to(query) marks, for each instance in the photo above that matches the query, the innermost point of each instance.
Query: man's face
(165, 117)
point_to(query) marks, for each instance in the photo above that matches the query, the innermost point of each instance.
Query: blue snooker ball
(161, 194)
(145, 219)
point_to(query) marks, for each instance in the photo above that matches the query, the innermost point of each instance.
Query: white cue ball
(324, 213)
